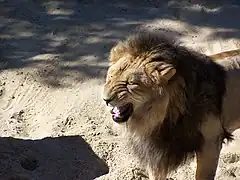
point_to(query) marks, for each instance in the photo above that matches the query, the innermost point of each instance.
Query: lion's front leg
(155, 174)
(207, 159)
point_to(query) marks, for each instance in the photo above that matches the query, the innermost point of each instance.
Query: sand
(53, 123)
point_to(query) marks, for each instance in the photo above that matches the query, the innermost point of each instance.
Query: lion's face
(133, 85)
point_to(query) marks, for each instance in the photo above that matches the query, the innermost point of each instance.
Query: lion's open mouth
(122, 113)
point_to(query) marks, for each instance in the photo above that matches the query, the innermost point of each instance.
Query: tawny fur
(180, 100)
(225, 54)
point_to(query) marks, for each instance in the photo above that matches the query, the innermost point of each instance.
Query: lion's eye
(131, 83)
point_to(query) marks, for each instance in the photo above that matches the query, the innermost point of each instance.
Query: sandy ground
(53, 60)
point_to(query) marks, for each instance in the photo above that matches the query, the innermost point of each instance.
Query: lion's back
(231, 102)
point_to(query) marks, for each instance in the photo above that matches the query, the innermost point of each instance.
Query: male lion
(173, 102)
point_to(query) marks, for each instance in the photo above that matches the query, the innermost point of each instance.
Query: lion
(173, 102)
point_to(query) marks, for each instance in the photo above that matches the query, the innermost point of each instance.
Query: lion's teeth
(116, 110)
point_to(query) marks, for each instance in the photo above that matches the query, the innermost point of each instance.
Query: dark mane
(176, 140)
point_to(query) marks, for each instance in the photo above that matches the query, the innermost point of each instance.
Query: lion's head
(139, 79)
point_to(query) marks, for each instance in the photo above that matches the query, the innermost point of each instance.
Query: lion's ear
(168, 73)
(162, 74)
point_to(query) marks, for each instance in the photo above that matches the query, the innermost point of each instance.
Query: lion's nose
(108, 100)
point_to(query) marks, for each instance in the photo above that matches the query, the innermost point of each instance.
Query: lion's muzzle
(122, 113)
(119, 113)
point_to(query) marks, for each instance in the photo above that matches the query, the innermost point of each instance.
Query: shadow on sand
(58, 158)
